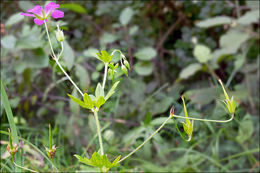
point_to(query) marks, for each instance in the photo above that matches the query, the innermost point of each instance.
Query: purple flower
(41, 15)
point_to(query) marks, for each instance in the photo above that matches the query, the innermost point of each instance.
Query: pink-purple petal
(50, 7)
(57, 14)
(38, 21)
(37, 9)
(27, 14)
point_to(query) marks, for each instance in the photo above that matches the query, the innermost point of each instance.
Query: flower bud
(126, 64)
(59, 34)
(123, 68)
(51, 152)
(110, 73)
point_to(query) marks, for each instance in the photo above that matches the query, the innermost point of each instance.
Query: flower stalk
(99, 132)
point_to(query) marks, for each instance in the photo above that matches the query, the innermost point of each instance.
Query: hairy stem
(105, 76)
(146, 140)
(99, 132)
(199, 119)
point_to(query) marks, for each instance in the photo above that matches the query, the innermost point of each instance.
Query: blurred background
(174, 48)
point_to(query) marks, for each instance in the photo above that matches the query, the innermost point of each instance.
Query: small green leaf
(126, 15)
(202, 53)
(143, 68)
(15, 18)
(108, 38)
(189, 70)
(87, 100)
(210, 22)
(8, 41)
(99, 91)
(69, 56)
(78, 101)
(249, 17)
(100, 101)
(116, 161)
(74, 7)
(112, 90)
(84, 160)
(146, 53)
(99, 161)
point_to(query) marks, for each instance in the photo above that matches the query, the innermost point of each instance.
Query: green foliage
(100, 161)
(159, 46)
(74, 7)
(202, 53)
(105, 57)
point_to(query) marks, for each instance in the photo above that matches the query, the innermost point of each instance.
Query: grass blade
(10, 117)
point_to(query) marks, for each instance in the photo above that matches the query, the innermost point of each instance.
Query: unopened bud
(110, 73)
(126, 64)
(59, 34)
(51, 152)
(123, 68)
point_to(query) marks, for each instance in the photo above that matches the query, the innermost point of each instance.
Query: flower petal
(27, 14)
(37, 9)
(57, 14)
(38, 21)
(50, 7)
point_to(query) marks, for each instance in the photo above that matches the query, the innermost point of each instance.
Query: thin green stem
(46, 28)
(62, 47)
(24, 168)
(99, 132)
(50, 137)
(105, 76)
(69, 77)
(56, 59)
(199, 119)
(146, 140)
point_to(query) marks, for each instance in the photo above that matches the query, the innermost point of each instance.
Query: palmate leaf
(99, 161)
(105, 57)
(100, 101)
(87, 101)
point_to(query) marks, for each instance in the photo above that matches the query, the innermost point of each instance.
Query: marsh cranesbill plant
(93, 102)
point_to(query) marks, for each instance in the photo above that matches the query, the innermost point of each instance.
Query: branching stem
(146, 140)
(56, 60)
(199, 119)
